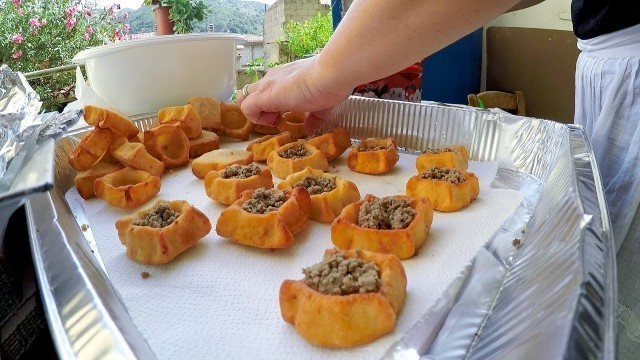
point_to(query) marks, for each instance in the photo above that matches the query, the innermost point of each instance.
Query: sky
(134, 4)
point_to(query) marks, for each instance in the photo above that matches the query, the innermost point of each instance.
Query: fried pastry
(127, 188)
(169, 144)
(266, 144)
(209, 111)
(208, 141)
(266, 218)
(85, 180)
(218, 160)
(225, 186)
(293, 122)
(134, 155)
(186, 116)
(158, 234)
(373, 156)
(447, 157)
(103, 118)
(234, 123)
(90, 149)
(396, 225)
(294, 157)
(448, 189)
(329, 193)
(332, 144)
(350, 298)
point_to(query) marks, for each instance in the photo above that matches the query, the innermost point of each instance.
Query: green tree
(304, 38)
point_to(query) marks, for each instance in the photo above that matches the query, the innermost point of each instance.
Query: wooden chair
(512, 102)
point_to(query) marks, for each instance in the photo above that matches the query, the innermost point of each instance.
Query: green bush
(42, 34)
(304, 38)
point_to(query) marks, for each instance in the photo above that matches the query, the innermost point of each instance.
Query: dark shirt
(593, 18)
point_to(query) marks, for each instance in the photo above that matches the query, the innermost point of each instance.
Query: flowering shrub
(42, 34)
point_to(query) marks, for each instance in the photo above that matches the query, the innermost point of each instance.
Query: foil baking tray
(542, 287)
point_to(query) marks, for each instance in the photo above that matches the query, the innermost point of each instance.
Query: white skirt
(608, 107)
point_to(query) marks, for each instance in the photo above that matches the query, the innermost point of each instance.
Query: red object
(163, 24)
(405, 85)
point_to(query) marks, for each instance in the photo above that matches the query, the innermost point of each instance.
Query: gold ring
(245, 90)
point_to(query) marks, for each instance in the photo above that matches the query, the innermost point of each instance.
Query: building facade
(278, 15)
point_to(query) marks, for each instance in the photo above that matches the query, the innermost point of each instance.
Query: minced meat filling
(295, 152)
(159, 217)
(316, 185)
(240, 171)
(451, 175)
(439, 150)
(371, 148)
(264, 201)
(339, 275)
(386, 214)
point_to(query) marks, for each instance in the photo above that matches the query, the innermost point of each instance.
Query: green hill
(233, 16)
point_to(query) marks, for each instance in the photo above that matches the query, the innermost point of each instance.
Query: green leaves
(307, 37)
(184, 12)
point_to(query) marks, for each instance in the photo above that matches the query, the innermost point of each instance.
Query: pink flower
(87, 13)
(118, 34)
(70, 11)
(16, 54)
(90, 30)
(70, 23)
(43, 22)
(16, 3)
(17, 39)
(125, 15)
(34, 22)
(86, 36)
(20, 11)
(127, 27)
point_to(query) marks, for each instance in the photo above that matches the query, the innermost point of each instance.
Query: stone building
(279, 14)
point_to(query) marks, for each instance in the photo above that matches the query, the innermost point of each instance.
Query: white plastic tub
(145, 75)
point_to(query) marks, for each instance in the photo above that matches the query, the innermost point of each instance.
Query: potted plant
(177, 16)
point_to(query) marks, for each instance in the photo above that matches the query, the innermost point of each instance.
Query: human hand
(297, 86)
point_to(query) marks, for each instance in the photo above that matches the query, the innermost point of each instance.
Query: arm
(376, 38)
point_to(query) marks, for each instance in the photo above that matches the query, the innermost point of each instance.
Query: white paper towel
(220, 299)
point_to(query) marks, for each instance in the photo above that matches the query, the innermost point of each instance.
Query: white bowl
(145, 75)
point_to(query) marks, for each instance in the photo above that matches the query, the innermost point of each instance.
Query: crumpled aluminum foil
(19, 120)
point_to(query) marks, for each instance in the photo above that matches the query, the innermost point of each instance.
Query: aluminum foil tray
(542, 287)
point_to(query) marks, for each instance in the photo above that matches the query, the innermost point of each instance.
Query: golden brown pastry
(169, 144)
(294, 157)
(209, 111)
(360, 306)
(448, 189)
(329, 193)
(90, 149)
(208, 141)
(396, 225)
(218, 160)
(84, 180)
(225, 186)
(448, 157)
(120, 125)
(234, 123)
(332, 144)
(293, 122)
(158, 234)
(186, 116)
(266, 218)
(265, 129)
(134, 155)
(266, 144)
(373, 156)
(127, 188)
